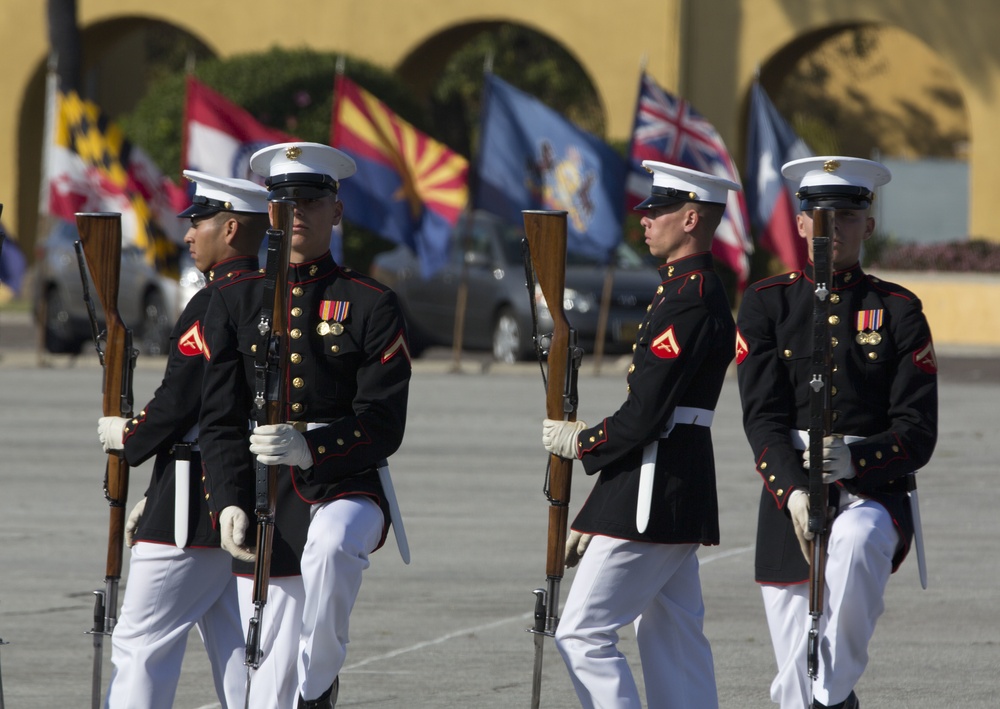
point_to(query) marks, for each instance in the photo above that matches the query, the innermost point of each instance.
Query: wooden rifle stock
(269, 401)
(101, 243)
(820, 421)
(546, 237)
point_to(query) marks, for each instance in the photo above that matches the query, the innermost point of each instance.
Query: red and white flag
(220, 136)
(668, 129)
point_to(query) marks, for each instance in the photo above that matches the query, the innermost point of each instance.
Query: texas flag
(771, 142)
(219, 136)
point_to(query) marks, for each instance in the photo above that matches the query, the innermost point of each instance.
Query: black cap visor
(300, 186)
(664, 197)
(841, 197)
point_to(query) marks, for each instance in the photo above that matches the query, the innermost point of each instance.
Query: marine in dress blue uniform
(884, 398)
(173, 588)
(347, 385)
(654, 453)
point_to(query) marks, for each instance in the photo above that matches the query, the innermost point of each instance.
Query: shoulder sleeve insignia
(397, 346)
(665, 344)
(925, 360)
(192, 342)
(742, 349)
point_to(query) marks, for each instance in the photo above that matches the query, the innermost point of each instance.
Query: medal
(874, 338)
(862, 338)
(323, 328)
(336, 328)
(332, 313)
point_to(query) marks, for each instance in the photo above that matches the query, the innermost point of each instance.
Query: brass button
(862, 462)
(321, 450)
(779, 492)
(649, 307)
(878, 454)
(297, 291)
(659, 290)
(592, 439)
(357, 434)
(791, 276)
(835, 415)
(895, 449)
(335, 348)
(763, 466)
(631, 368)
(833, 391)
(253, 348)
(296, 312)
(298, 382)
(847, 278)
(834, 298)
(313, 270)
(297, 408)
(340, 441)
(295, 333)
(834, 320)
(788, 353)
(206, 495)
(296, 358)
(873, 356)
(694, 276)
(770, 479)
(834, 341)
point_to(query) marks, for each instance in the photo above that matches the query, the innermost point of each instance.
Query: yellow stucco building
(708, 51)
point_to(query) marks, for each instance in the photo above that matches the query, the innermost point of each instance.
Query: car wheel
(508, 342)
(59, 336)
(155, 329)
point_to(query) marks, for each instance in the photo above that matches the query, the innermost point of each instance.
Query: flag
(220, 136)
(668, 129)
(530, 157)
(13, 265)
(771, 142)
(409, 188)
(91, 167)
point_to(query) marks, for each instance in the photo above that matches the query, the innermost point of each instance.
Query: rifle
(545, 233)
(101, 244)
(820, 422)
(270, 364)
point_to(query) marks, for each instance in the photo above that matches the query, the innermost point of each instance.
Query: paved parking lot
(448, 630)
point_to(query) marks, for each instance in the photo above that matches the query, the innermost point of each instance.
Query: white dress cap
(836, 181)
(289, 159)
(224, 194)
(673, 184)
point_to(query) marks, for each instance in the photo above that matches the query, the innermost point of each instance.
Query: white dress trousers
(860, 547)
(169, 591)
(304, 627)
(656, 587)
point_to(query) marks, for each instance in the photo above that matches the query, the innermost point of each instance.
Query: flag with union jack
(668, 129)
(409, 188)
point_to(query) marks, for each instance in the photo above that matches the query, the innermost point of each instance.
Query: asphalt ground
(449, 629)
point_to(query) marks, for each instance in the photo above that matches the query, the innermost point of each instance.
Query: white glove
(559, 437)
(837, 463)
(133, 522)
(576, 544)
(233, 524)
(280, 444)
(111, 431)
(798, 510)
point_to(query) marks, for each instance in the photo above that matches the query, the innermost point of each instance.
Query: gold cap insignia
(692, 195)
(831, 165)
(293, 152)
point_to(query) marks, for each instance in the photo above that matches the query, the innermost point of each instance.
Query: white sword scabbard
(918, 538)
(647, 473)
(182, 493)
(394, 514)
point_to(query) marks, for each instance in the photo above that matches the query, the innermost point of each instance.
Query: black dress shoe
(851, 702)
(327, 700)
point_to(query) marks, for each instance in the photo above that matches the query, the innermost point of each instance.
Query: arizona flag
(408, 188)
(668, 129)
(531, 157)
(771, 143)
(219, 136)
(91, 167)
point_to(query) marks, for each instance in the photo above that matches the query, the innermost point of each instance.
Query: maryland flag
(92, 168)
(409, 188)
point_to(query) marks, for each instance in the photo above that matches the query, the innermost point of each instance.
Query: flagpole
(43, 222)
(462, 296)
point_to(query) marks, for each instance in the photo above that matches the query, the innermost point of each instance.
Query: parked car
(148, 301)
(498, 309)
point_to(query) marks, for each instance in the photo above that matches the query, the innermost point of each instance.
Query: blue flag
(13, 265)
(530, 157)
